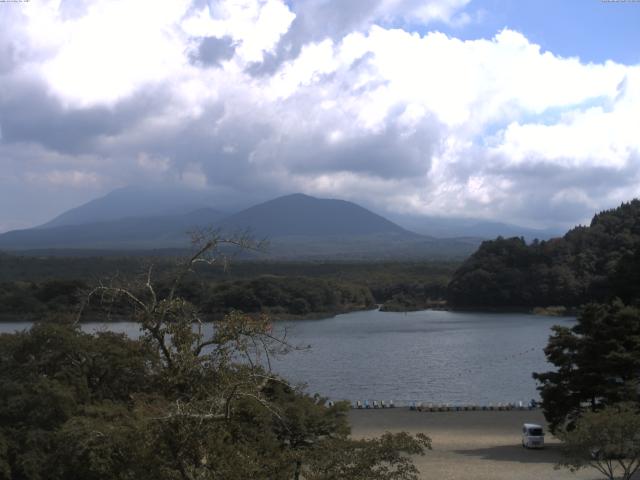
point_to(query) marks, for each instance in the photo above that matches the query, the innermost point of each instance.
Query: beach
(479, 445)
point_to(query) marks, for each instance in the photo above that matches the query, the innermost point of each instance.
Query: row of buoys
(375, 404)
(445, 407)
(464, 408)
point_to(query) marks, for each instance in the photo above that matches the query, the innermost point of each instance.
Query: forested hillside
(593, 263)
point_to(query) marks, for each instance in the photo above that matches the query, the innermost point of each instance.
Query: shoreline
(32, 318)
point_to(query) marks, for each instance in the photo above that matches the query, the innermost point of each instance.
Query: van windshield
(535, 432)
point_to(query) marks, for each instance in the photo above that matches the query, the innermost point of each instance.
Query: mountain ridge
(295, 223)
(299, 226)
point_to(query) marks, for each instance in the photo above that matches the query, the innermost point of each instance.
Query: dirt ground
(482, 445)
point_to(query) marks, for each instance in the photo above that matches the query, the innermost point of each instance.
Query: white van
(532, 436)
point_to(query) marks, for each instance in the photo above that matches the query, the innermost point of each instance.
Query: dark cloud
(212, 51)
(216, 141)
(7, 57)
(556, 194)
(12, 40)
(390, 153)
(28, 113)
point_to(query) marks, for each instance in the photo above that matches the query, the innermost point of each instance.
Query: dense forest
(590, 263)
(175, 403)
(277, 296)
(33, 287)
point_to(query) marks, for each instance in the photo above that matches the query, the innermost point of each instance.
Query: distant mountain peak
(133, 201)
(296, 195)
(303, 215)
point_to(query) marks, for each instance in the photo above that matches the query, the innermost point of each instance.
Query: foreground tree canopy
(594, 263)
(607, 440)
(597, 363)
(174, 404)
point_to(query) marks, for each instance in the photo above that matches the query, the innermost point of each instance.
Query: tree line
(591, 397)
(38, 288)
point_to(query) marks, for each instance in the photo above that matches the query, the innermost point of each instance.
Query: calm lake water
(427, 356)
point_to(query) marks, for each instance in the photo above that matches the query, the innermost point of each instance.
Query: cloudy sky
(526, 111)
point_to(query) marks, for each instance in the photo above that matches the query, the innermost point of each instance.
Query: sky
(523, 111)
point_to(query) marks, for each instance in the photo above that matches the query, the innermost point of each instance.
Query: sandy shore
(471, 445)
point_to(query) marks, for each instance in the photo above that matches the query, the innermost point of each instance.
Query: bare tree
(219, 410)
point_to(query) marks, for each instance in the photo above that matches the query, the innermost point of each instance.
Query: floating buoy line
(442, 407)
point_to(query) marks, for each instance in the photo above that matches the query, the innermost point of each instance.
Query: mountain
(297, 226)
(589, 263)
(131, 202)
(302, 215)
(449, 227)
(301, 226)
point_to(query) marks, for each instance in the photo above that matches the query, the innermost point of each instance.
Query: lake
(426, 356)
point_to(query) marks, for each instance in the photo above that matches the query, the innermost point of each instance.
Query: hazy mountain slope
(302, 215)
(297, 227)
(132, 202)
(128, 233)
(378, 247)
(443, 227)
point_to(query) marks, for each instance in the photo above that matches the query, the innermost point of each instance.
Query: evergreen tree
(597, 363)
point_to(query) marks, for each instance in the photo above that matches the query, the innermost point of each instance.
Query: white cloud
(425, 11)
(602, 136)
(408, 122)
(116, 47)
(256, 25)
